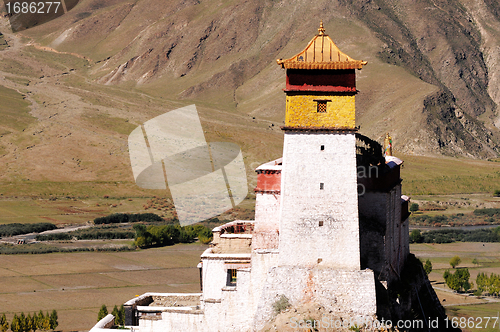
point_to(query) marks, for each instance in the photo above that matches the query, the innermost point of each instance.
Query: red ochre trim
(320, 88)
(329, 129)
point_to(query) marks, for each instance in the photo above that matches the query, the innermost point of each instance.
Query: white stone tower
(319, 223)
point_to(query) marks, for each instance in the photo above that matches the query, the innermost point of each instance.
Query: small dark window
(321, 106)
(321, 186)
(231, 277)
(321, 223)
(322, 148)
(320, 260)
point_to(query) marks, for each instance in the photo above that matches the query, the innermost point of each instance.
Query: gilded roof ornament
(321, 53)
(321, 30)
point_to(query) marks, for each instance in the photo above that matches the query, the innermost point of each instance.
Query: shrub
(455, 261)
(416, 236)
(428, 267)
(281, 304)
(487, 212)
(497, 193)
(414, 207)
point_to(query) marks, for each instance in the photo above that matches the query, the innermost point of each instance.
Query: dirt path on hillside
(64, 143)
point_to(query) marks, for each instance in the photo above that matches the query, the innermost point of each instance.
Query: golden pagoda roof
(321, 53)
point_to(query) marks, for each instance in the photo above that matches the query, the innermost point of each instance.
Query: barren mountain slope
(431, 80)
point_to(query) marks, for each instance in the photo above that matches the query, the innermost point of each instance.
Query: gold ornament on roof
(321, 30)
(321, 53)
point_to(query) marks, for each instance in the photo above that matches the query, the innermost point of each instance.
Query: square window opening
(321, 223)
(322, 106)
(231, 277)
(321, 186)
(322, 148)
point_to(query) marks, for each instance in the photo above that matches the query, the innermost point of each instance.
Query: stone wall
(266, 232)
(319, 201)
(343, 293)
(383, 235)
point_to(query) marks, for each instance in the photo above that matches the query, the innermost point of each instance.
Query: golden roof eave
(321, 53)
(356, 64)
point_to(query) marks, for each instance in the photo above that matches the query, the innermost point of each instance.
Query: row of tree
(120, 218)
(118, 313)
(490, 285)
(454, 235)
(27, 323)
(18, 229)
(92, 234)
(166, 235)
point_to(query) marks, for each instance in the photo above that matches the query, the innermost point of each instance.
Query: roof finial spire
(321, 30)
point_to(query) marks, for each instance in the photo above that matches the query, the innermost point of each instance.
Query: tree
(455, 261)
(414, 207)
(416, 236)
(121, 316)
(15, 326)
(428, 267)
(53, 320)
(45, 323)
(29, 323)
(458, 280)
(34, 322)
(452, 282)
(494, 284)
(482, 282)
(4, 325)
(103, 312)
(40, 319)
(115, 313)
(497, 193)
(475, 261)
(22, 322)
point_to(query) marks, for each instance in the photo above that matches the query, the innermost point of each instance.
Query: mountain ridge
(431, 80)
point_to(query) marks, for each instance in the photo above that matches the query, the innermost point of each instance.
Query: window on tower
(321, 186)
(231, 277)
(322, 106)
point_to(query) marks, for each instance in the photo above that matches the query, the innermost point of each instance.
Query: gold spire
(321, 30)
(321, 53)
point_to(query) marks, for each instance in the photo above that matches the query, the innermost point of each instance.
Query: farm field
(459, 305)
(77, 284)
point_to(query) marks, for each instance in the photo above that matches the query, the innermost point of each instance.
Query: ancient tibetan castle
(330, 230)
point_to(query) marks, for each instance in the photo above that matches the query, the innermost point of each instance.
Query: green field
(460, 305)
(77, 284)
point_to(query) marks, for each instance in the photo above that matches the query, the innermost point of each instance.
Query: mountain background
(94, 74)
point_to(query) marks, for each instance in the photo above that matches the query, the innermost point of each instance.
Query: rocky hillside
(432, 78)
